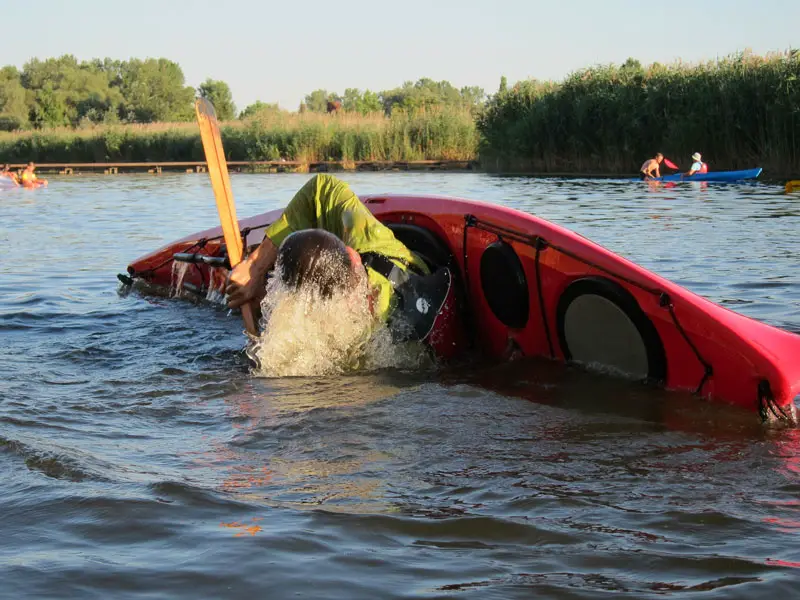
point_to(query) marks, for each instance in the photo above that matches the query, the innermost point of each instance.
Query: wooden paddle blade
(220, 181)
(221, 184)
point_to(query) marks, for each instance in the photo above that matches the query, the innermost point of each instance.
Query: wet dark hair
(315, 259)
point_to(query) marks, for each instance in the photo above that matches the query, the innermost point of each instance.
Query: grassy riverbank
(739, 112)
(742, 111)
(432, 134)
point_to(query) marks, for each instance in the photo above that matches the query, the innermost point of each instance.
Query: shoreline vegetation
(437, 133)
(741, 111)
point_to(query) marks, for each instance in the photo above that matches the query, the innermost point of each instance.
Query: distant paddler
(651, 169)
(698, 166)
(29, 178)
(7, 173)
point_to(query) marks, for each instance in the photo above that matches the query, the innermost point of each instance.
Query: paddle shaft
(221, 184)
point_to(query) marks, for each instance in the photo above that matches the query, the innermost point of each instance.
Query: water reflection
(261, 463)
(163, 457)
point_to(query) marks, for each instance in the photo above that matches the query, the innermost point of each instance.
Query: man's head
(317, 260)
(659, 157)
(31, 166)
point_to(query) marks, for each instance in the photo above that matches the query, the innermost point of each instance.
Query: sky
(281, 51)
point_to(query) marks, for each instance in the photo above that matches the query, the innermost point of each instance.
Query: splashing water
(216, 284)
(179, 270)
(305, 334)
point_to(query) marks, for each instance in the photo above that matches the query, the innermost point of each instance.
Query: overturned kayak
(532, 288)
(715, 176)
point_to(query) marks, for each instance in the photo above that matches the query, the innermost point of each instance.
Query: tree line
(740, 111)
(63, 91)
(411, 96)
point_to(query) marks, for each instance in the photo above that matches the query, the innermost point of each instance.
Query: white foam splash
(304, 334)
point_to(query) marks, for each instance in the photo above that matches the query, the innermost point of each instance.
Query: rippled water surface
(139, 458)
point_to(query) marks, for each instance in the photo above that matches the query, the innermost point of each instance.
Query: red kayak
(533, 288)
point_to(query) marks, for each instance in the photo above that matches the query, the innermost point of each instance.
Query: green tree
(258, 107)
(351, 99)
(81, 89)
(154, 90)
(110, 67)
(13, 107)
(370, 102)
(219, 94)
(472, 96)
(317, 101)
(50, 109)
(632, 65)
(424, 93)
(355, 101)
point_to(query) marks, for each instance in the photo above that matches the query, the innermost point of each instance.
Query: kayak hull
(533, 288)
(717, 176)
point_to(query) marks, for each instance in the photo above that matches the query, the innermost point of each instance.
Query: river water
(139, 458)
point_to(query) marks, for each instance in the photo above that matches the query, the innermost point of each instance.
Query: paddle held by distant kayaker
(650, 169)
(327, 242)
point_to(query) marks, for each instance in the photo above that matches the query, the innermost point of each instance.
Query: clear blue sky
(278, 51)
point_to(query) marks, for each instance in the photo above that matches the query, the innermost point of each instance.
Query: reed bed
(741, 111)
(432, 134)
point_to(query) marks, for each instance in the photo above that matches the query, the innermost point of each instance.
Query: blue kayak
(715, 176)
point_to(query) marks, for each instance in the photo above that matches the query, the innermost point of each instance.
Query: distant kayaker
(328, 244)
(9, 174)
(698, 166)
(651, 167)
(29, 178)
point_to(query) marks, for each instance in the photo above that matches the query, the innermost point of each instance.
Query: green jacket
(325, 202)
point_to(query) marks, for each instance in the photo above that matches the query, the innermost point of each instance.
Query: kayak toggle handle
(194, 258)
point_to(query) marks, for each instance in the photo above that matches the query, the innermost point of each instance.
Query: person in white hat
(698, 166)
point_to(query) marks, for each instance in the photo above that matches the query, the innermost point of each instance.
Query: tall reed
(432, 134)
(741, 111)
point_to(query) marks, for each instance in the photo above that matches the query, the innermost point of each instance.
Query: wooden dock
(257, 166)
